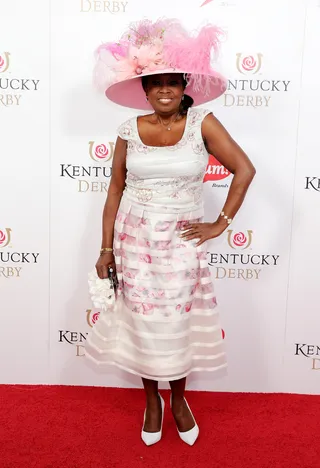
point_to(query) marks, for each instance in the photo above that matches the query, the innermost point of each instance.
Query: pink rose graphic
(143, 243)
(249, 63)
(192, 274)
(163, 245)
(239, 239)
(101, 151)
(162, 226)
(158, 294)
(188, 306)
(129, 274)
(95, 317)
(201, 255)
(2, 237)
(122, 236)
(147, 309)
(181, 225)
(146, 258)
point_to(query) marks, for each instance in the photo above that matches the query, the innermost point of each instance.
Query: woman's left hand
(202, 231)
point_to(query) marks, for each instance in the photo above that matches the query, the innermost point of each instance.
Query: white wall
(52, 130)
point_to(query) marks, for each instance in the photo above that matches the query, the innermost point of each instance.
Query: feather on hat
(163, 46)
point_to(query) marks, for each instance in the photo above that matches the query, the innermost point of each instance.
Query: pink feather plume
(117, 49)
(147, 46)
(193, 52)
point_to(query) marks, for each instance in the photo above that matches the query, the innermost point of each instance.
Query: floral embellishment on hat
(163, 46)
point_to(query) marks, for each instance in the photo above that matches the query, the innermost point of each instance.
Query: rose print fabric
(166, 320)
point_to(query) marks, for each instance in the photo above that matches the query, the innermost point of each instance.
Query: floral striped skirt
(166, 321)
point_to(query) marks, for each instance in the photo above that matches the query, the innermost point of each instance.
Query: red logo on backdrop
(5, 236)
(101, 152)
(2, 237)
(249, 64)
(95, 317)
(239, 239)
(223, 334)
(4, 61)
(92, 317)
(215, 170)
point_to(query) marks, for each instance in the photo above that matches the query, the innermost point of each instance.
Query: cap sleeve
(206, 112)
(126, 130)
(197, 115)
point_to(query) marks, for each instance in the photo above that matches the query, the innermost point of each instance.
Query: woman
(154, 236)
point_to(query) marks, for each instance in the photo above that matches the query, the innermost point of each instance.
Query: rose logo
(4, 62)
(92, 317)
(5, 236)
(239, 239)
(249, 64)
(223, 334)
(206, 2)
(2, 237)
(95, 317)
(101, 152)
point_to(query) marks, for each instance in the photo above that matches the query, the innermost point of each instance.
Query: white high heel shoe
(189, 437)
(150, 438)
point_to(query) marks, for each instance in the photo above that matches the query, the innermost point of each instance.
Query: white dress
(166, 322)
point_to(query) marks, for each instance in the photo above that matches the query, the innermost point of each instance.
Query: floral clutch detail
(102, 291)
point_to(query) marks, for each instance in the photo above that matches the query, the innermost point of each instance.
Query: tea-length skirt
(165, 324)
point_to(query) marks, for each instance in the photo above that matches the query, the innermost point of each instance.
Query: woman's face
(164, 92)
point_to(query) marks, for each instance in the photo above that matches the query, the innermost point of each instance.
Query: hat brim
(129, 92)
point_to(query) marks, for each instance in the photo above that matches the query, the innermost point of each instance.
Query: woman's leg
(180, 411)
(153, 406)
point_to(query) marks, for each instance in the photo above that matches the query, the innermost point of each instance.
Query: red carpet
(75, 427)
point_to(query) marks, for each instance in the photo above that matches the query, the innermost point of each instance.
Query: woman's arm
(220, 144)
(115, 191)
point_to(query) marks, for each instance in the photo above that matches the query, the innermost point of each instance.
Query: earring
(182, 97)
(147, 98)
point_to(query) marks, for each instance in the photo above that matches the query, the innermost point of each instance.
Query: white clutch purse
(102, 291)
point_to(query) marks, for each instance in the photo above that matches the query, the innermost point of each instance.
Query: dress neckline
(167, 146)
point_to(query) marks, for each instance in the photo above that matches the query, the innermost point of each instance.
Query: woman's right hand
(104, 261)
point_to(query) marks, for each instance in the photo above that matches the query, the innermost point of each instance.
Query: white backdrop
(56, 149)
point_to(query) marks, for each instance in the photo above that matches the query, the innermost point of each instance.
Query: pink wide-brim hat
(130, 93)
(151, 48)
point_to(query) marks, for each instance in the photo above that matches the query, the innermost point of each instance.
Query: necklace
(170, 124)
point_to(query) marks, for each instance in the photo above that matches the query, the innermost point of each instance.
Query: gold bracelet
(105, 250)
(229, 220)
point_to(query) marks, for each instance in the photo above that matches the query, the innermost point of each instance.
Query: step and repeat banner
(57, 143)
